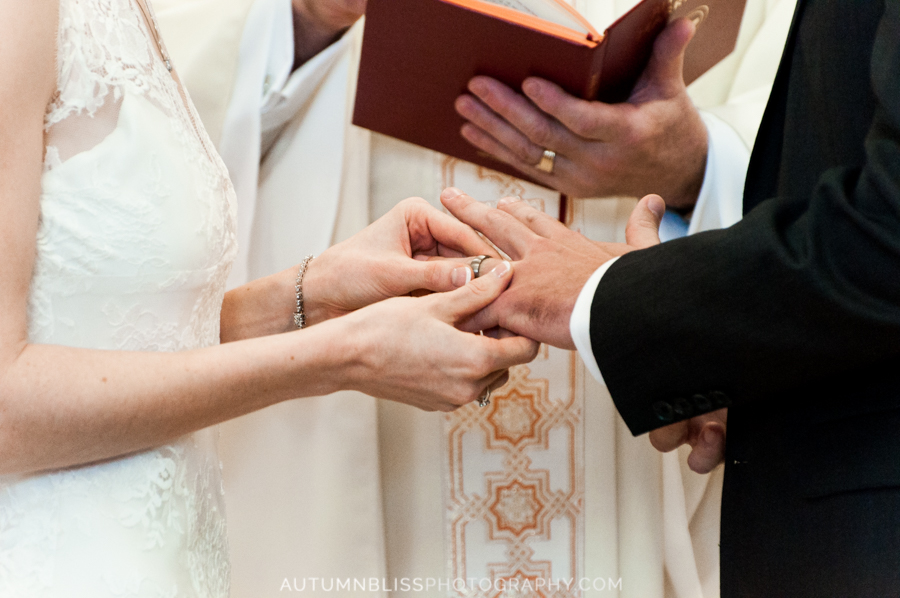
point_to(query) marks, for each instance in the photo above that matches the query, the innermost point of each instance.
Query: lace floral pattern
(135, 241)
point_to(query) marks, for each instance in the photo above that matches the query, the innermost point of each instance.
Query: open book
(418, 56)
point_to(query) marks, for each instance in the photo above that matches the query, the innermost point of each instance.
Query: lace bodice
(134, 245)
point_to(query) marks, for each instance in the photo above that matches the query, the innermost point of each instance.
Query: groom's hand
(705, 434)
(552, 263)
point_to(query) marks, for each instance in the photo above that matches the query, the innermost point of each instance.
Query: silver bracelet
(299, 315)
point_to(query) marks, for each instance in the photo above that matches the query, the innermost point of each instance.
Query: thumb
(665, 69)
(473, 297)
(709, 450)
(642, 230)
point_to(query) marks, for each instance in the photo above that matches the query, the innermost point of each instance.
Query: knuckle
(478, 289)
(434, 274)
(589, 125)
(480, 363)
(412, 201)
(542, 245)
(539, 131)
(635, 131)
(524, 149)
(495, 218)
(583, 128)
(532, 217)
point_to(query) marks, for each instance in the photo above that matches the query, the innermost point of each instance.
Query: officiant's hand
(552, 263)
(411, 248)
(653, 143)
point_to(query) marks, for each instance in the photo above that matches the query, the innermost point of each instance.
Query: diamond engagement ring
(485, 399)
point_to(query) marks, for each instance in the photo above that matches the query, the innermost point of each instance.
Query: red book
(419, 55)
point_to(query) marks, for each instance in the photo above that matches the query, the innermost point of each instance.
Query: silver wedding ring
(475, 264)
(485, 399)
(547, 162)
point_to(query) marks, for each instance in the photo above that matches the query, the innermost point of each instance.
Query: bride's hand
(390, 258)
(410, 350)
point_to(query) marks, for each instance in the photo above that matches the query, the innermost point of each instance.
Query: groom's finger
(507, 233)
(455, 306)
(669, 438)
(460, 304)
(539, 222)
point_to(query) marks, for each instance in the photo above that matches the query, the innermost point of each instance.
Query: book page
(547, 10)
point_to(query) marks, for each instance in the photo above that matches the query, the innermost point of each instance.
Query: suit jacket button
(719, 399)
(702, 403)
(663, 411)
(683, 408)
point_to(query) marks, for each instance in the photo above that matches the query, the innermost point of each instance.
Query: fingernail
(508, 200)
(501, 270)
(708, 436)
(693, 26)
(450, 193)
(657, 206)
(461, 276)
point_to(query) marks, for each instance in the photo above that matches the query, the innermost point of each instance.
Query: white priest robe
(547, 483)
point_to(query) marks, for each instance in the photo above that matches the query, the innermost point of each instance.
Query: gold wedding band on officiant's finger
(485, 399)
(547, 162)
(475, 264)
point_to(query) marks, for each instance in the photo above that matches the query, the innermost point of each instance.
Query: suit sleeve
(801, 288)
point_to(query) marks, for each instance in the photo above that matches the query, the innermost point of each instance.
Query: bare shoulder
(27, 52)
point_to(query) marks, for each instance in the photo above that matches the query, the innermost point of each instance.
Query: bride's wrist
(309, 293)
(353, 349)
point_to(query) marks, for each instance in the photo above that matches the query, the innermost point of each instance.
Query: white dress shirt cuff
(580, 322)
(720, 202)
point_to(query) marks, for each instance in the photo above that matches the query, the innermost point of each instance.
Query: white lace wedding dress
(135, 242)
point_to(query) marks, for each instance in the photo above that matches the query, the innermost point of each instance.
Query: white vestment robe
(548, 481)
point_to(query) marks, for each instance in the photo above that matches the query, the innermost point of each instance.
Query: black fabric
(792, 318)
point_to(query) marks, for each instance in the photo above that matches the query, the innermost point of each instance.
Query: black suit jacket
(791, 318)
